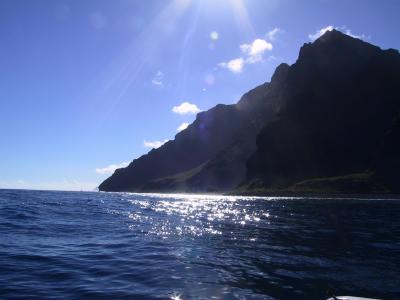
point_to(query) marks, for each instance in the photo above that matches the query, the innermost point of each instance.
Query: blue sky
(86, 86)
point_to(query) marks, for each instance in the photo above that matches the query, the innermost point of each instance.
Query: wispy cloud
(214, 35)
(255, 50)
(158, 79)
(183, 126)
(357, 36)
(273, 33)
(252, 52)
(234, 65)
(186, 108)
(322, 31)
(154, 144)
(111, 168)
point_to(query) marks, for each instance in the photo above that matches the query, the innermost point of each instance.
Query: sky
(88, 86)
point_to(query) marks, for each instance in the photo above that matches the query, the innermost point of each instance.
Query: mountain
(339, 122)
(327, 123)
(210, 155)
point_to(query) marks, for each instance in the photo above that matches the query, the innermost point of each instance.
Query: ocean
(92, 245)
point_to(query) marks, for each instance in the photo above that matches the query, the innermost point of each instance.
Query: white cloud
(158, 79)
(63, 185)
(154, 144)
(322, 31)
(234, 65)
(111, 168)
(186, 108)
(272, 33)
(253, 59)
(254, 52)
(214, 35)
(183, 126)
(257, 47)
(348, 32)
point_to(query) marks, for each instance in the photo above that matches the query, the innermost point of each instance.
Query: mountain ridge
(310, 121)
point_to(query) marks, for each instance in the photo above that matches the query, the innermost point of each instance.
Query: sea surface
(83, 245)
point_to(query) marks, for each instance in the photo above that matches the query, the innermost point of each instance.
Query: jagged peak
(333, 34)
(280, 73)
(334, 41)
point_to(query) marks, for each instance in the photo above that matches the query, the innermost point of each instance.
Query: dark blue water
(71, 245)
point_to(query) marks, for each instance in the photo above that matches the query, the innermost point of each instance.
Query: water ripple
(162, 246)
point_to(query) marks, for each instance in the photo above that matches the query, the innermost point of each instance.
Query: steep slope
(344, 97)
(202, 140)
(330, 122)
(387, 163)
(227, 169)
(210, 155)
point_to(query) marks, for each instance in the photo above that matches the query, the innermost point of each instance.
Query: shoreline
(277, 194)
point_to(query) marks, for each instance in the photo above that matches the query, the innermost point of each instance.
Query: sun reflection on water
(172, 215)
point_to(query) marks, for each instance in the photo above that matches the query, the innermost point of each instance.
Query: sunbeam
(184, 52)
(123, 72)
(242, 18)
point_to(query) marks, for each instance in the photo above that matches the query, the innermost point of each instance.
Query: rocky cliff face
(331, 114)
(210, 155)
(343, 100)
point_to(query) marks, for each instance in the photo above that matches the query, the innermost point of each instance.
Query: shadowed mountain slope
(210, 155)
(328, 122)
(344, 98)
